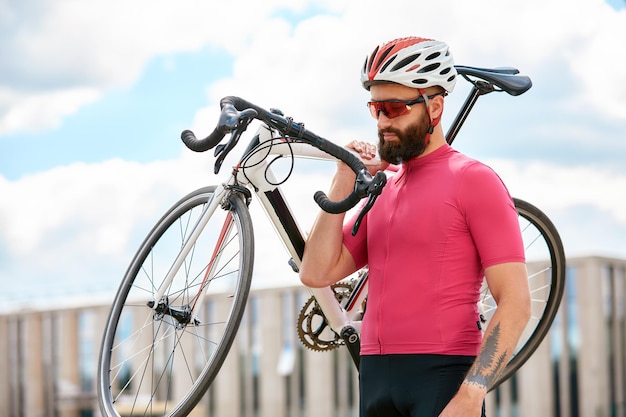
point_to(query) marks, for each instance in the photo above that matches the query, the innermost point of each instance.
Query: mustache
(381, 132)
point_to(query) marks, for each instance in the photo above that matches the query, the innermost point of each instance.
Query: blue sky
(95, 94)
(118, 124)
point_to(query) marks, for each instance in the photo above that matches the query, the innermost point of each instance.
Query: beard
(411, 142)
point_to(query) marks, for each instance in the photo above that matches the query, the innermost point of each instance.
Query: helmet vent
(445, 71)
(429, 68)
(383, 56)
(372, 56)
(419, 81)
(406, 61)
(388, 63)
(433, 56)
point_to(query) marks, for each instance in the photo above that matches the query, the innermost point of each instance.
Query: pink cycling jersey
(439, 223)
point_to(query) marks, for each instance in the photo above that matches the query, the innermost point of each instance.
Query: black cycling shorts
(410, 385)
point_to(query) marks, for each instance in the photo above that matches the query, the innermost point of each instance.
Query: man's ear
(435, 107)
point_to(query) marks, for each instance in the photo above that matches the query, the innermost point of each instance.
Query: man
(442, 222)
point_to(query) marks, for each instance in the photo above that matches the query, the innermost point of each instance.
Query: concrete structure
(48, 360)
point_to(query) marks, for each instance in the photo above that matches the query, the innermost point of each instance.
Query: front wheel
(157, 358)
(545, 260)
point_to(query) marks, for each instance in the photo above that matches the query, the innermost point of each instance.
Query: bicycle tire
(152, 362)
(546, 275)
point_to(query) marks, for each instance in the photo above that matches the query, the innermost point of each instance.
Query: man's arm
(326, 260)
(508, 284)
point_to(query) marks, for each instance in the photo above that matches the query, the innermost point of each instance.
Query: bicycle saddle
(505, 78)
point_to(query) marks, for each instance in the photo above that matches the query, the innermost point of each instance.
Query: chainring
(313, 330)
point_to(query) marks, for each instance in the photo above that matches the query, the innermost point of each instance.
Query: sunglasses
(394, 108)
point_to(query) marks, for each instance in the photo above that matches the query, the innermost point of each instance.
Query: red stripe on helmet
(387, 51)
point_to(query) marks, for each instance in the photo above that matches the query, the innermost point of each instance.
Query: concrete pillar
(621, 342)
(564, 364)
(226, 386)
(101, 314)
(15, 359)
(319, 383)
(593, 387)
(271, 383)
(4, 363)
(32, 387)
(296, 377)
(347, 383)
(48, 362)
(506, 400)
(128, 359)
(66, 355)
(618, 337)
(535, 383)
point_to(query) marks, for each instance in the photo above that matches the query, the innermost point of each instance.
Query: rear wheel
(545, 261)
(156, 357)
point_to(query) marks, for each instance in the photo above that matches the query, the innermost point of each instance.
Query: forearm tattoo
(487, 366)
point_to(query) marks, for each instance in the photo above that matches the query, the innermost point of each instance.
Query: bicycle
(179, 305)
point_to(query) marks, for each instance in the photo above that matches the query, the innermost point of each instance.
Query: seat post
(479, 88)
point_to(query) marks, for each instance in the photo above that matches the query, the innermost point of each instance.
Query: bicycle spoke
(156, 358)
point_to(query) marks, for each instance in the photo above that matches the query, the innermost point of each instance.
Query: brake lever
(374, 188)
(221, 151)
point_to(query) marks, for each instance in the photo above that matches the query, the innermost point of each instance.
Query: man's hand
(368, 152)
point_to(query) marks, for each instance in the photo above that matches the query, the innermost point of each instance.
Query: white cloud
(598, 64)
(98, 45)
(74, 229)
(317, 83)
(557, 187)
(102, 44)
(110, 41)
(312, 73)
(584, 202)
(42, 110)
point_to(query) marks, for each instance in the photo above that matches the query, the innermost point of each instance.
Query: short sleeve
(356, 245)
(491, 216)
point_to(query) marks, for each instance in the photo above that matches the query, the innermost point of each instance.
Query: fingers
(366, 150)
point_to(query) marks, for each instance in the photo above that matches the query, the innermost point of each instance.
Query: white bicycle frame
(260, 180)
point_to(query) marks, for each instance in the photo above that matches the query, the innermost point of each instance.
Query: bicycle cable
(268, 147)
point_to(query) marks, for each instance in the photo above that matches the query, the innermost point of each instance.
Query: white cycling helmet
(414, 62)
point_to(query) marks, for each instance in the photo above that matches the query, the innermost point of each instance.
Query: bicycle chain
(314, 331)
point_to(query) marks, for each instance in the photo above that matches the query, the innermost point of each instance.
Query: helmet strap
(433, 122)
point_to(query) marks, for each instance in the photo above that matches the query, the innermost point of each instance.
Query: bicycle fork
(188, 313)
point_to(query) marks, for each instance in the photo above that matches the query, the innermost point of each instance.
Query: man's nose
(383, 121)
